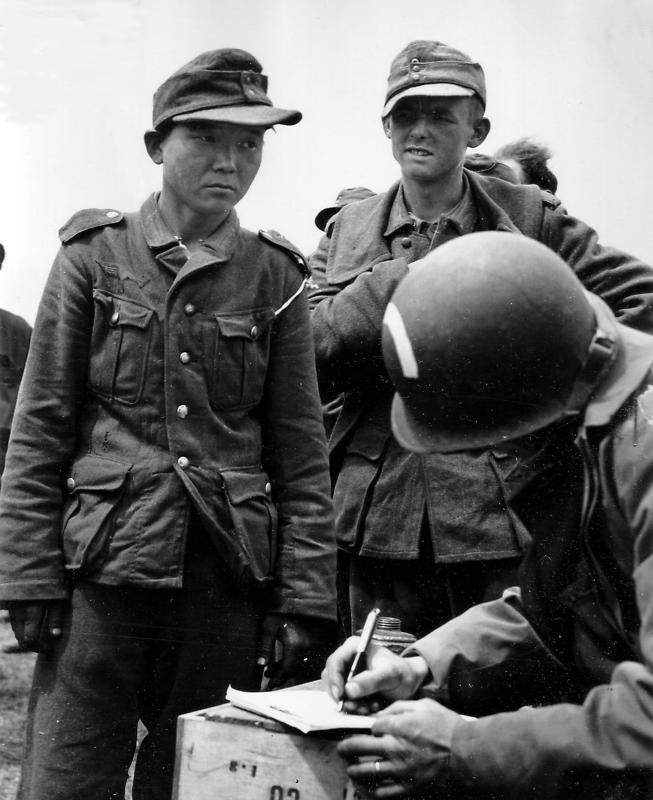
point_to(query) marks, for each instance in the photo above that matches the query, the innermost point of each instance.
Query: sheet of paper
(305, 709)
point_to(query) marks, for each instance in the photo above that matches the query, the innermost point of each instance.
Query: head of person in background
(528, 160)
(486, 165)
(324, 217)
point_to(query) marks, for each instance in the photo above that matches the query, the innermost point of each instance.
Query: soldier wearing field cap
(426, 536)
(345, 196)
(166, 524)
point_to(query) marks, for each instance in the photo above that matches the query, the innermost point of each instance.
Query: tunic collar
(462, 217)
(171, 251)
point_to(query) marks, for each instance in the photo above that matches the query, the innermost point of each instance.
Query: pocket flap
(247, 326)
(93, 473)
(121, 311)
(243, 485)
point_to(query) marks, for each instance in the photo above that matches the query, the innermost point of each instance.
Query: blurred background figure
(14, 343)
(528, 160)
(490, 167)
(346, 196)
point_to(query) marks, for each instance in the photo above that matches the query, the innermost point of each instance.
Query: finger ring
(377, 766)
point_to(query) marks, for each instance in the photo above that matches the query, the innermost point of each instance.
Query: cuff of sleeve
(33, 590)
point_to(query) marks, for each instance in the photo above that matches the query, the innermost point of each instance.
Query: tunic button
(182, 411)
(189, 309)
(254, 332)
(406, 243)
(113, 214)
(184, 357)
(183, 462)
(115, 317)
(268, 489)
(70, 484)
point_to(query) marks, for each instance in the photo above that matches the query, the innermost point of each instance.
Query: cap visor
(258, 116)
(323, 217)
(427, 90)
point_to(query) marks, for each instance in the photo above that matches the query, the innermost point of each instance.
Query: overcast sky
(77, 77)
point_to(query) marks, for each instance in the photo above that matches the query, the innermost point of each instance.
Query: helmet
(490, 337)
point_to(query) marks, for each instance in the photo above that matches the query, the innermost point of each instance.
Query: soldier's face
(430, 136)
(209, 166)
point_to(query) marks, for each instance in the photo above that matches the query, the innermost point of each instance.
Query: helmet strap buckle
(601, 354)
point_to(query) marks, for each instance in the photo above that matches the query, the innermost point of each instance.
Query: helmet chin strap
(601, 354)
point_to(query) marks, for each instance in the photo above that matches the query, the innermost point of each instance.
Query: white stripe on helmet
(395, 325)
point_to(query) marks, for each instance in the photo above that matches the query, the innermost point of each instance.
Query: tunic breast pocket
(241, 351)
(122, 337)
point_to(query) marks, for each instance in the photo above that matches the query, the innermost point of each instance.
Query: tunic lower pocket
(354, 489)
(254, 519)
(95, 488)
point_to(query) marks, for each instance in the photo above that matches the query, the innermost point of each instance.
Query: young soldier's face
(430, 135)
(209, 166)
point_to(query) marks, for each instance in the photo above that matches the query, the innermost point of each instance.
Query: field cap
(432, 69)
(225, 85)
(344, 197)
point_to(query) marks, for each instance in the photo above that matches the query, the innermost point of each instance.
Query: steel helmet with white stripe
(490, 337)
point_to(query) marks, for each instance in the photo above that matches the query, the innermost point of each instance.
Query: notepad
(307, 710)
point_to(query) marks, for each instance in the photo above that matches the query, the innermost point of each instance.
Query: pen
(366, 638)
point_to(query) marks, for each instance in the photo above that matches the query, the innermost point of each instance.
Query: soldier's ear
(153, 140)
(481, 130)
(386, 126)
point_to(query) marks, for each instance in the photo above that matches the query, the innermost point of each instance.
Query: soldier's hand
(386, 676)
(407, 752)
(294, 648)
(37, 624)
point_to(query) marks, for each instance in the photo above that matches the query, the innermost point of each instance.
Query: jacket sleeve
(489, 658)
(295, 454)
(624, 282)
(43, 437)
(607, 741)
(318, 285)
(347, 324)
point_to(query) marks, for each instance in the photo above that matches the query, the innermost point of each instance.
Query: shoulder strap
(524, 206)
(277, 240)
(87, 220)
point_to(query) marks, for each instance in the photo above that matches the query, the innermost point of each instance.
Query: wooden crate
(225, 753)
